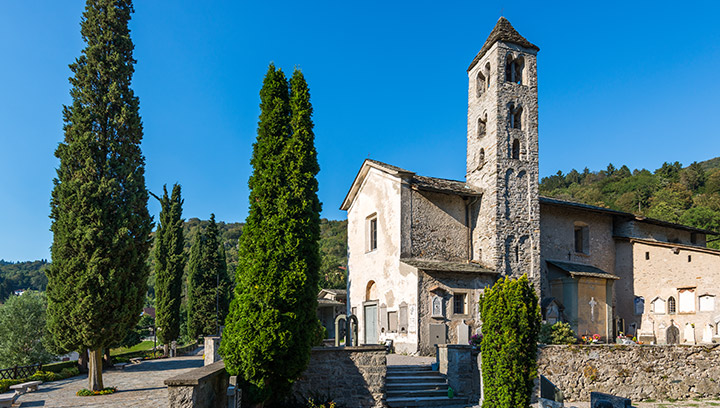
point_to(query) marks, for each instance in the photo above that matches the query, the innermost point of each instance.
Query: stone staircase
(418, 386)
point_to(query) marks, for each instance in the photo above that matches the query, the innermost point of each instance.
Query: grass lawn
(145, 345)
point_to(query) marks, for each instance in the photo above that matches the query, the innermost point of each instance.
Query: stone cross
(592, 304)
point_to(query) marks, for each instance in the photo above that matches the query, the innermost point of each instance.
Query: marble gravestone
(689, 334)
(463, 333)
(708, 334)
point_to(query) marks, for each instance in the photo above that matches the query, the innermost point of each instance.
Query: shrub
(45, 376)
(511, 324)
(57, 367)
(88, 393)
(321, 334)
(5, 384)
(558, 333)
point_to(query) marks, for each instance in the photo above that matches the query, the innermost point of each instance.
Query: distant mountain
(710, 164)
(22, 275)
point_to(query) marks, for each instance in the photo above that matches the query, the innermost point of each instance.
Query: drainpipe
(469, 203)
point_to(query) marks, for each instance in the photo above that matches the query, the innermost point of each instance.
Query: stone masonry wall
(353, 376)
(635, 372)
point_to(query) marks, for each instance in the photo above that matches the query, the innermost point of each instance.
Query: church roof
(505, 32)
(446, 266)
(582, 270)
(626, 215)
(433, 184)
(440, 185)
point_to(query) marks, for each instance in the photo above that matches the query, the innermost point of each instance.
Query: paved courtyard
(139, 385)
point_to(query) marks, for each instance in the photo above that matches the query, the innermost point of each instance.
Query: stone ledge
(194, 377)
(455, 346)
(350, 348)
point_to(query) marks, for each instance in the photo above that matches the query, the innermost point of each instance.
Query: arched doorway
(370, 313)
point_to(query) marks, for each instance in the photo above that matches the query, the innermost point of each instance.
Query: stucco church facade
(421, 250)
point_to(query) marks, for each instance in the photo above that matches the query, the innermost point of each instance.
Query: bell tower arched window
(481, 127)
(516, 117)
(514, 69)
(516, 149)
(480, 83)
(487, 75)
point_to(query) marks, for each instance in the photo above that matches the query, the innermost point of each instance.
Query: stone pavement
(139, 385)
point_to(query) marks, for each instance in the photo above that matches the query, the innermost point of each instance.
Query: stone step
(402, 402)
(409, 368)
(416, 385)
(426, 392)
(399, 373)
(412, 379)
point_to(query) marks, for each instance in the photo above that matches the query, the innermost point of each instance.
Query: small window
(481, 127)
(582, 238)
(647, 256)
(481, 158)
(689, 258)
(459, 301)
(516, 149)
(372, 233)
(671, 305)
(480, 84)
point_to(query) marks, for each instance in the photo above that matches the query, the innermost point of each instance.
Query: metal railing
(18, 372)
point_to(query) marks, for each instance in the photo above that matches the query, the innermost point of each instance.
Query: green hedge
(510, 317)
(57, 367)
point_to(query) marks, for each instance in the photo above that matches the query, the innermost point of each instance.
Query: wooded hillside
(685, 195)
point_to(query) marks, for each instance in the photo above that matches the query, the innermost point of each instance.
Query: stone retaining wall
(353, 376)
(204, 387)
(635, 372)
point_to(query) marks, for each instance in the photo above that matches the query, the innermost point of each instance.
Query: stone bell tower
(502, 153)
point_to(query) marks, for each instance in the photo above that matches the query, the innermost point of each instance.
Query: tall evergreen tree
(208, 283)
(169, 266)
(101, 225)
(269, 331)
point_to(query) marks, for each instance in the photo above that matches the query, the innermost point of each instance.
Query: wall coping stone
(455, 346)
(627, 346)
(194, 377)
(351, 348)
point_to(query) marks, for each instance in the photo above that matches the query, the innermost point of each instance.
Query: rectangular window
(647, 256)
(372, 233)
(686, 299)
(392, 321)
(582, 239)
(459, 303)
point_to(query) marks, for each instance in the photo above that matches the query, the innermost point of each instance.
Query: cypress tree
(100, 222)
(208, 283)
(271, 326)
(510, 317)
(169, 266)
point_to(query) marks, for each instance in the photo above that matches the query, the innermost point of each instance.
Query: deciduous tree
(22, 330)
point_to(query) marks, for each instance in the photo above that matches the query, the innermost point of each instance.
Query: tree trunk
(107, 360)
(95, 370)
(83, 361)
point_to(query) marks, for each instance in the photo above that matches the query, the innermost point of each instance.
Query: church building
(422, 249)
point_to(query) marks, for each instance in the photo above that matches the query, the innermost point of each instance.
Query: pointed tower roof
(505, 32)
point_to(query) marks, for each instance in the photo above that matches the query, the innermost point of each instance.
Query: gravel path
(139, 385)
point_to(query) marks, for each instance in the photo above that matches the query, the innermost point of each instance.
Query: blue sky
(629, 83)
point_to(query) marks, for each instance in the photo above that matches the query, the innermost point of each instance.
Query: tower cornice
(504, 32)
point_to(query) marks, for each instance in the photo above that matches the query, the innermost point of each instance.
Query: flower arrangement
(89, 393)
(476, 340)
(594, 339)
